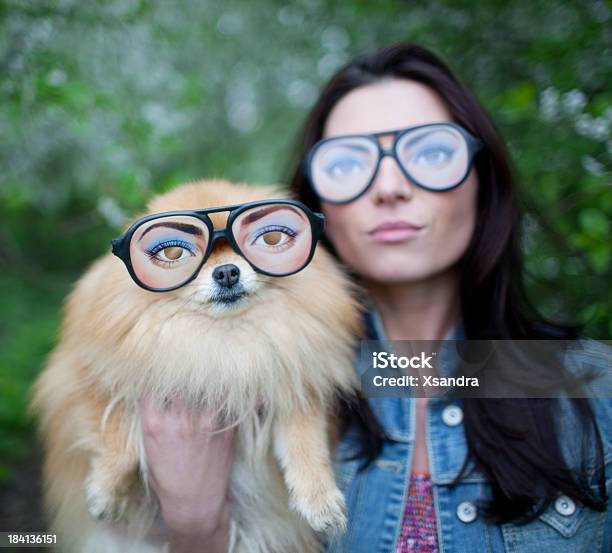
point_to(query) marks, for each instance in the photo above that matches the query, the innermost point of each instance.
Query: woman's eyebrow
(183, 227)
(251, 217)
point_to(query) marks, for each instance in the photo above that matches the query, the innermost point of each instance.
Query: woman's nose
(390, 183)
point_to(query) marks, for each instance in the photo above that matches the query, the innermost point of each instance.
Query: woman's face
(444, 221)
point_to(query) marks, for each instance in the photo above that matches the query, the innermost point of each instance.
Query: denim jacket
(376, 497)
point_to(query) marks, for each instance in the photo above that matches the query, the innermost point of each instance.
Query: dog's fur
(274, 363)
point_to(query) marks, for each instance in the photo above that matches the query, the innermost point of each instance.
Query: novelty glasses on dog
(436, 156)
(165, 251)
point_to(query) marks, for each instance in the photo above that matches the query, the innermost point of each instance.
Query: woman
(426, 219)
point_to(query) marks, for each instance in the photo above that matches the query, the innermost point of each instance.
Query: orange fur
(288, 347)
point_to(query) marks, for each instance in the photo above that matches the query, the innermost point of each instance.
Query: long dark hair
(526, 474)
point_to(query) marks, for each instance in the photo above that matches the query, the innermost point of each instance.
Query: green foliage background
(103, 103)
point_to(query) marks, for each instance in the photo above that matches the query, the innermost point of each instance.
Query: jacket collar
(376, 331)
(396, 414)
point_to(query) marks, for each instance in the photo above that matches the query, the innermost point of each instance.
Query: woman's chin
(386, 278)
(390, 276)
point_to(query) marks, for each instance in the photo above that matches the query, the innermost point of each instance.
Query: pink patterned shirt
(419, 533)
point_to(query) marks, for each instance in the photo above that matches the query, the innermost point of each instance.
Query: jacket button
(452, 415)
(565, 506)
(466, 511)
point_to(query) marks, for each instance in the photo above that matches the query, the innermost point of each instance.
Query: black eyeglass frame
(474, 144)
(121, 244)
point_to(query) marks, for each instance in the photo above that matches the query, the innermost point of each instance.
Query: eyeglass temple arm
(320, 219)
(117, 244)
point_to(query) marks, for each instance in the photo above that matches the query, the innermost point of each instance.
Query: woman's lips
(394, 231)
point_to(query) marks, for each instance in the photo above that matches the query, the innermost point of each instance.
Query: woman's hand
(189, 470)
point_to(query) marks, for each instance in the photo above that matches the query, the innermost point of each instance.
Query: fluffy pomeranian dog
(274, 362)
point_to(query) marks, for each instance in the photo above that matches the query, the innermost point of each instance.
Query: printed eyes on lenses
(173, 253)
(274, 237)
(343, 158)
(166, 243)
(345, 168)
(433, 156)
(168, 253)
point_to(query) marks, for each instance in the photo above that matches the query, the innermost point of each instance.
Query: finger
(167, 403)
(207, 418)
(167, 409)
(150, 415)
(145, 398)
(147, 404)
(220, 428)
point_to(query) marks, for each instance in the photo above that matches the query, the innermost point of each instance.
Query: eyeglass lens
(435, 157)
(165, 252)
(276, 238)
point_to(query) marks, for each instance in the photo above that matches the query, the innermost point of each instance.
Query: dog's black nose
(226, 275)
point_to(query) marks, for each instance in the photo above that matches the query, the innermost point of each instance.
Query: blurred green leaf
(5, 473)
(594, 222)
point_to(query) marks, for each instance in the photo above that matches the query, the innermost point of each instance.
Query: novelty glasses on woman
(165, 251)
(436, 156)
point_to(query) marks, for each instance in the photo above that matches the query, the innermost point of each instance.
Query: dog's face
(226, 284)
(258, 328)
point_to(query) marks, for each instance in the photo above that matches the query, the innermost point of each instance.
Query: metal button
(565, 506)
(452, 415)
(466, 511)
